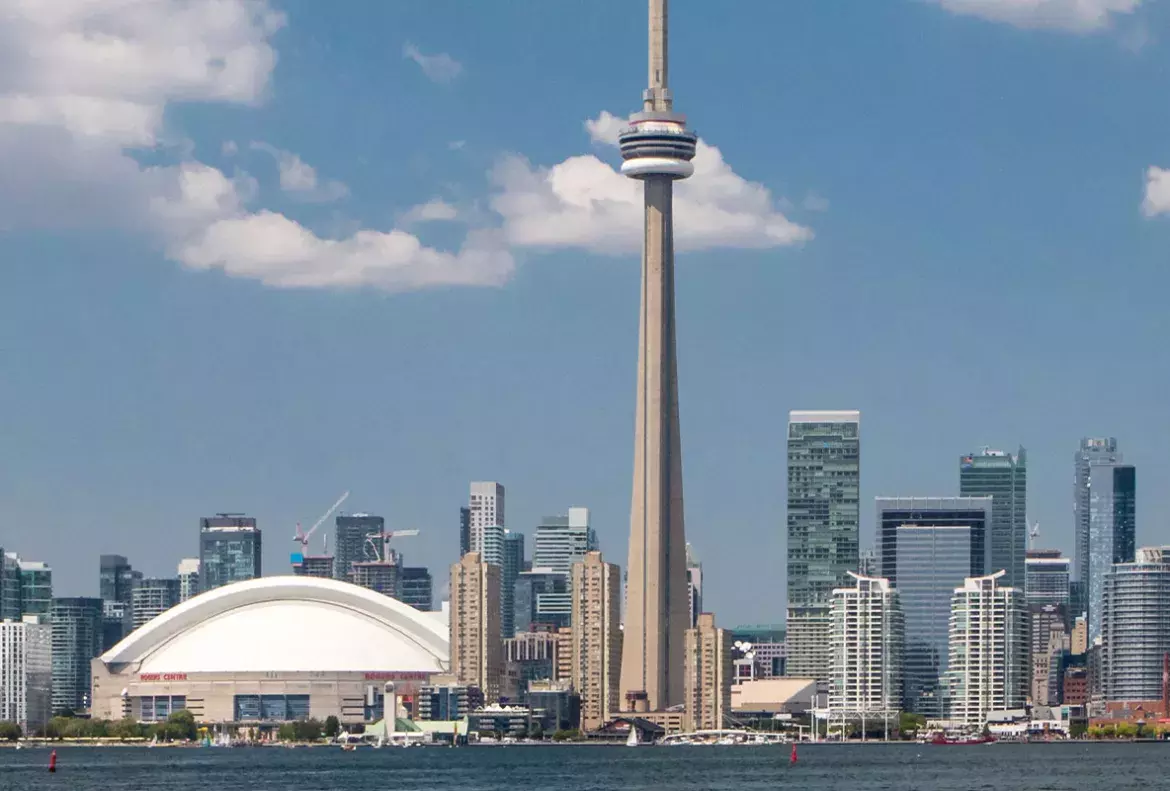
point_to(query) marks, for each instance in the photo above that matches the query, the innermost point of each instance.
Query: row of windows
(159, 707)
(277, 708)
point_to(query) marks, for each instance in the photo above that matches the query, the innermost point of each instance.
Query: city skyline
(159, 394)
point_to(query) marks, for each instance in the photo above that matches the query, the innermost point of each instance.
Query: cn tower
(656, 149)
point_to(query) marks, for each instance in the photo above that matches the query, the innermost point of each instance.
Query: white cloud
(300, 178)
(586, 203)
(1157, 197)
(1078, 16)
(433, 210)
(814, 202)
(438, 68)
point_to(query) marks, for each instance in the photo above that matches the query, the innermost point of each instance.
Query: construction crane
(302, 538)
(1033, 534)
(383, 554)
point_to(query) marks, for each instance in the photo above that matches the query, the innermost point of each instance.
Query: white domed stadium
(270, 650)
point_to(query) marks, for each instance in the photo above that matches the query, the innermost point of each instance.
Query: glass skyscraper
(36, 589)
(541, 601)
(1005, 478)
(1047, 577)
(1112, 523)
(1100, 450)
(77, 639)
(416, 588)
(9, 586)
(927, 547)
(824, 477)
(152, 597)
(349, 542)
(561, 541)
(1135, 626)
(116, 581)
(510, 569)
(229, 550)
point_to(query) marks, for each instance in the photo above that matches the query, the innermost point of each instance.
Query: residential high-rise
(1112, 531)
(656, 149)
(36, 589)
(1100, 450)
(152, 597)
(597, 638)
(9, 586)
(77, 639)
(349, 541)
(475, 625)
(116, 581)
(380, 576)
(416, 588)
(1136, 626)
(541, 601)
(1005, 478)
(188, 574)
(988, 650)
(694, 585)
(866, 643)
(464, 530)
(824, 476)
(321, 566)
(26, 673)
(533, 656)
(510, 568)
(117, 622)
(708, 674)
(927, 546)
(485, 505)
(1046, 577)
(229, 550)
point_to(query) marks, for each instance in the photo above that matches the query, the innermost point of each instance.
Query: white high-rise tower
(656, 148)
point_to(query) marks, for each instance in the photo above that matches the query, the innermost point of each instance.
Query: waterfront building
(708, 674)
(269, 650)
(416, 588)
(866, 644)
(541, 601)
(510, 568)
(1047, 577)
(1136, 626)
(443, 702)
(988, 650)
(188, 574)
(1092, 450)
(927, 547)
(694, 585)
(475, 624)
(824, 478)
(656, 149)
(597, 638)
(76, 639)
(229, 550)
(1005, 478)
(26, 673)
(1112, 531)
(151, 598)
(350, 534)
(561, 541)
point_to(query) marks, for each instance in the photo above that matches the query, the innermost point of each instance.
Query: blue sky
(254, 255)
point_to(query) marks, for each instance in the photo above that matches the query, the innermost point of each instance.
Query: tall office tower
(510, 568)
(866, 643)
(988, 649)
(416, 588)
(707, 675)
(152, 597)
(1047, 636)
(656, 149)
(9, 586)
(1005, 478)
(824, 475)
(26, 673)
(188, 574)
(533, 656)
(486, 505)
(694, 585)
(229, 550)
(1047, 577)
(36, 589)
(464, 530)
(561, 541)
(77, 639)
(541, 601)
(488, 542)
(927, 546)
(1100, 450)
(597, 638)
(1136, 626)
(116, 581)
(475, 625)
(349, 542)
(117, 622)
(1112, 531)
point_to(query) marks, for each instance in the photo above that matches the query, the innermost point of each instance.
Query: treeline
(180, 726)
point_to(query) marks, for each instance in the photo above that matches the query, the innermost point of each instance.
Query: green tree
(184, 727)
(9, 731)
(1125, 730)
(332, 726)
(909, 724)
(535, 730)
(286, 732)
(307, 730)
(126, 728)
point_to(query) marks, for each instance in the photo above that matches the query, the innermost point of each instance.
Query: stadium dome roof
(286, 624)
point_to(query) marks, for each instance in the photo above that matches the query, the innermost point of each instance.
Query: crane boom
(303, 538)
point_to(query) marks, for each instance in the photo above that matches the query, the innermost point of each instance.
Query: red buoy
(792, 758)
(53, 761)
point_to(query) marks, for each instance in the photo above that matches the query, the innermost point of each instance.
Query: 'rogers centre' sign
(396, 676)
(162, 676)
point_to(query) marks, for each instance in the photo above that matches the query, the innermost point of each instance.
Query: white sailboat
(632, 739)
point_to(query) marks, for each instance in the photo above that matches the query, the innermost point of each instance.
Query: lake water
(898, 767)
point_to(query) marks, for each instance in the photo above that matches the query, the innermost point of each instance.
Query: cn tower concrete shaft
(657, 149)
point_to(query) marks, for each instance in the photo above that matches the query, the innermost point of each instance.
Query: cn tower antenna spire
(658, 94)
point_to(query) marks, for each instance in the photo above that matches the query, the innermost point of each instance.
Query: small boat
(943, 739)
(632, 739)
(347, 746)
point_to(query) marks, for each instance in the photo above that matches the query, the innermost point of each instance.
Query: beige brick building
(707, 675)
(476, 647)
(596, 638)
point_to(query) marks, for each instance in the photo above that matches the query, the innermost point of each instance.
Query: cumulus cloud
(585, 202)
(434, 210)
(438, 68)
(1078, 16)
(300, 178)
(1157, 196)
(84, 86)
